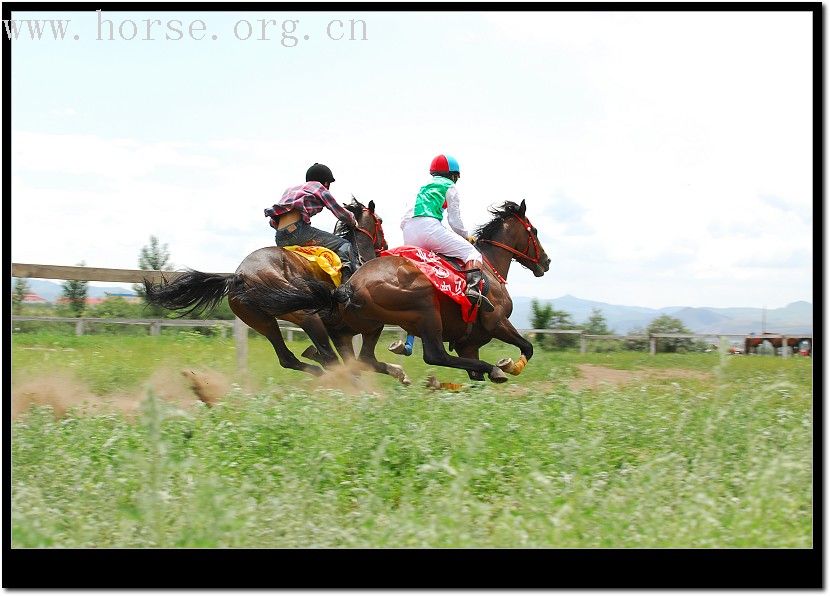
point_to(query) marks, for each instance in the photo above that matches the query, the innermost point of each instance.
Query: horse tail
(306, 294)
(192, 291)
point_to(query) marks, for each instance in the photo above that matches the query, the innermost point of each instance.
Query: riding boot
(345, 274)
(474, 280)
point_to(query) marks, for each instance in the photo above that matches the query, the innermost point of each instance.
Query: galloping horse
(275, 267)
(391, 290)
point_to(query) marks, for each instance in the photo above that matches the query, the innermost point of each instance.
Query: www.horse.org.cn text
(288, 33)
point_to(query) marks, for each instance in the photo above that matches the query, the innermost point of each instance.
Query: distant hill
(796, 317)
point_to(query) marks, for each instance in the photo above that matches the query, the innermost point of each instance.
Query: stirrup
(481, 300)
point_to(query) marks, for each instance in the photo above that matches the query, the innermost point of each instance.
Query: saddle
(458, 265)
(325, 258)
(446, 274)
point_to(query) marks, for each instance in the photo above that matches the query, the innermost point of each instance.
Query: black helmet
(319, 173)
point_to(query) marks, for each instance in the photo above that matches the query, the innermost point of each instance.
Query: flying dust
(62, 391)
(351, 378)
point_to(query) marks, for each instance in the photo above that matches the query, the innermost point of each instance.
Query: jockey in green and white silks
(422, 225)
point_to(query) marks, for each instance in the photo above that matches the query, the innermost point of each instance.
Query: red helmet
(444, 164)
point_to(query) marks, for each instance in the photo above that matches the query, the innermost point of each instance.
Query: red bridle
(531, 242)
(374, 235)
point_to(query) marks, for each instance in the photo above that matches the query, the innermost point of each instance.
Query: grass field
(689, 450)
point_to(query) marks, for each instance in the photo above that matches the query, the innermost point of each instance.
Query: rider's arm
(332, 205)
(454, 213)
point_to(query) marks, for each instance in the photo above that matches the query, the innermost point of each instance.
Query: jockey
(291, 217)
(422, 227)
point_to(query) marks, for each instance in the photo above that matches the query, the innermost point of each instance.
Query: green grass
(724, 461)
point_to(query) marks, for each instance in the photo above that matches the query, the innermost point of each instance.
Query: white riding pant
(427, 232)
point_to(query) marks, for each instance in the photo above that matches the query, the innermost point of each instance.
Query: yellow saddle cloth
(324, 258)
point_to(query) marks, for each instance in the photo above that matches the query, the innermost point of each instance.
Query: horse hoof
(432, 383)
(497, 375)
(398, 373)
(314, 370)
(311, 353)
(396, 347)
(506, 364)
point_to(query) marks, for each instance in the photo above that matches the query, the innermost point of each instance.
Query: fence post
(583, 343)
(652, 345)
(785, 349)
(290, 334)
(79, 327)
(240, 335)
(155, 328)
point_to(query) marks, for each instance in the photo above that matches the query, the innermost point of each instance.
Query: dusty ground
(594, 377)
(184, 388)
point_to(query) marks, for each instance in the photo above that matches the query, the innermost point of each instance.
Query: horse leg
(318, 334)
(471, 351)
(367, 355)
(267, 325)
(506, 332)
(435, 352)
(342, 343)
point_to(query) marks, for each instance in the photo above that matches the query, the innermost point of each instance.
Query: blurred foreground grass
(718, 461)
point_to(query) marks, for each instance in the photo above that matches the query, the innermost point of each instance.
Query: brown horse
(275, 267)
(391, 290)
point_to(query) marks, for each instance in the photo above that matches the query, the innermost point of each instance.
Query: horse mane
(342, 230)
(500, 213)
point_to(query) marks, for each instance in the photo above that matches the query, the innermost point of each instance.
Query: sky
(665, 157)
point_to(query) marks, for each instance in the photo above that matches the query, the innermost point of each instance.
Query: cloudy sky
(665, 157)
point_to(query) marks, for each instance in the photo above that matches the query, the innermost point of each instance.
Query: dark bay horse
(391, 290)
(275, 267)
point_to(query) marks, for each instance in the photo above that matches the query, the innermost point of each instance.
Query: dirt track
(594, 377)
(187, 387)
(184, 388)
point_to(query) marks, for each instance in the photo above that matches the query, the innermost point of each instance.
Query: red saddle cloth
(443, 276)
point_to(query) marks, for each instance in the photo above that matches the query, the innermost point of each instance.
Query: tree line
(545, 316)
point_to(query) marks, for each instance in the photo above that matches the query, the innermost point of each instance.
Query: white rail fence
(240, 330)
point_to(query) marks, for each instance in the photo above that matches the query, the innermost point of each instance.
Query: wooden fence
(240, 330)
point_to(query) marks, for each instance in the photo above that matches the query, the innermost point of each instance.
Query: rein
(493, 269)
(374, 235)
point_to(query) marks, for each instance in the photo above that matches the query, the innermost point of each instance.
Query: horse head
(511, 230)
(368, 238)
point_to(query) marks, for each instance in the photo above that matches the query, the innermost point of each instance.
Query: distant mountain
(51, 291)
(796, 317)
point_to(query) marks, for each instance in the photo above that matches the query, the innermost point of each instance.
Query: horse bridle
(375, 233)
(531, 241)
